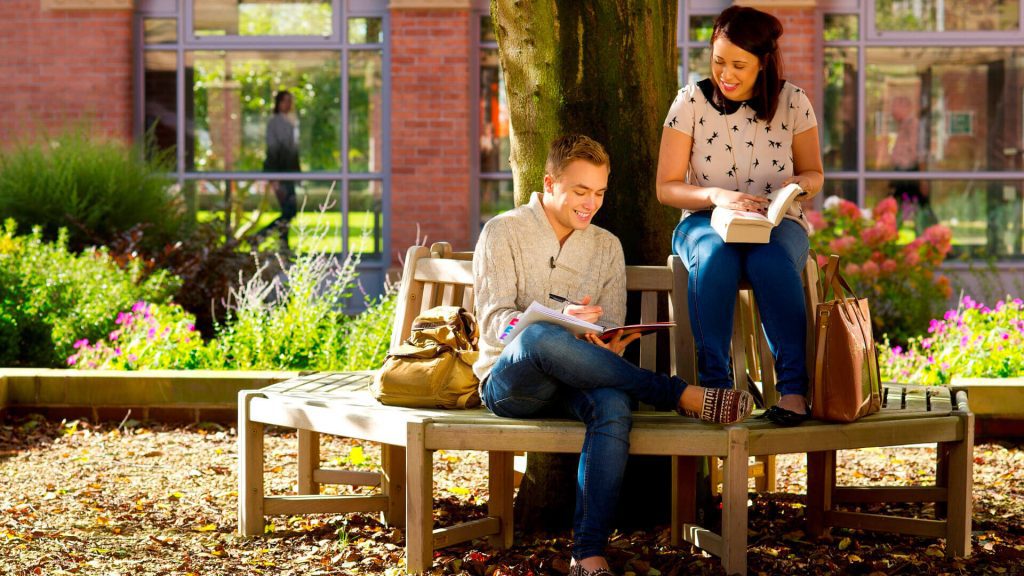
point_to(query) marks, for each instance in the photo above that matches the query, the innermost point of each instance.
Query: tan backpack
(433, 368)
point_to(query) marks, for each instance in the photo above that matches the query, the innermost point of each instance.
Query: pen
(563, 300)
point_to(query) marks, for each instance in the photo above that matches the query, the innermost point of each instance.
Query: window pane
(487, 30)
(939, 15)
(160, 30)
(263, 17)
(845, 189)
(365, 31)
(943, 109)
(495, 144)
(701, 28)
(364, 117)
(985, 217)
(231, 108)
(252, 209)
(841, 27)
(366, 218)
(700, 65)
(161, 104)
(839, 128)
(496, 196)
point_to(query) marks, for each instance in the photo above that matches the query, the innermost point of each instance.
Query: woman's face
(733, 69)
(286, 104)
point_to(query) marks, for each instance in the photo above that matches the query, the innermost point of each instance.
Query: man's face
(572, 199)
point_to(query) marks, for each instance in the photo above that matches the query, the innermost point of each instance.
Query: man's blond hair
(571, 147)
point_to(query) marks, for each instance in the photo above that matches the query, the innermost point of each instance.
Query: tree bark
(607, 69)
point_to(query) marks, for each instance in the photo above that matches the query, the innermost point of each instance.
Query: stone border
(85, 4)
(163, 395)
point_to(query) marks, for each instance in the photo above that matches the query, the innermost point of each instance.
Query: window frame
(186, 43)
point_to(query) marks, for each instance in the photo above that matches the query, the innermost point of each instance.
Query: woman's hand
(584, 311)
(616, 344)
(738, 200)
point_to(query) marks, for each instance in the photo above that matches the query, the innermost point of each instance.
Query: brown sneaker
(724, 406)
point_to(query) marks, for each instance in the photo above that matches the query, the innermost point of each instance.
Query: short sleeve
(681, 114)
(805, 118)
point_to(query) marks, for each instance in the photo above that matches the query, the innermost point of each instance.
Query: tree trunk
(607, 69)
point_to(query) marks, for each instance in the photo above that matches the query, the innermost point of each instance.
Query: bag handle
(834, 279)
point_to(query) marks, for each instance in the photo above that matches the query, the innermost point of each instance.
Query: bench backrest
(438, 276)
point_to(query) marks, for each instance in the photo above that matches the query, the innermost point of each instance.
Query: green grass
(330, 242)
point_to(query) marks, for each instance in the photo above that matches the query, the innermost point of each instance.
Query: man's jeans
(773, 271)
(548, 372)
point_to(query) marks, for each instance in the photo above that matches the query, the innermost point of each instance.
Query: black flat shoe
(783, 417)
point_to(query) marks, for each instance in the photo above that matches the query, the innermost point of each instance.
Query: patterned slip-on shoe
(726, 405)
(579, 570)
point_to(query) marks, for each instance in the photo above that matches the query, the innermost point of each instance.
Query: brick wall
(430, 123)
(801, 49)
(63, 66)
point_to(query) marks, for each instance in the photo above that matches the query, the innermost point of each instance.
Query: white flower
(831, 202)
(865, 213)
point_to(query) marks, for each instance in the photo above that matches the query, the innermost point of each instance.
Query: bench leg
(419, 523)
(392, 463)
(684, 495)
(250, 470)
(501, 483)
(734, 503)
(308, 460)
(821, 482)
(960, 503)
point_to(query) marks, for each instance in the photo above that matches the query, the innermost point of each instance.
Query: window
(495, 183)
(941, 126)
(212, 80)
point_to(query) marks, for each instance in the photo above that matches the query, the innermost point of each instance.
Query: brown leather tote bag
(846, 384)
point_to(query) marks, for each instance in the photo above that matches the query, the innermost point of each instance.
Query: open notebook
(537, 312)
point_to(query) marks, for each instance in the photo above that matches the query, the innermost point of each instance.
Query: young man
(550, 247)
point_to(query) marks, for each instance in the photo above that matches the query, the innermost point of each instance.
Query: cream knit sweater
(518, 260)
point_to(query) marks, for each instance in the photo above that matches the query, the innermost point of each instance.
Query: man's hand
(616, 344)
(584, 311)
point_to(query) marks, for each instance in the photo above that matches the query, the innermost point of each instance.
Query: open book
(752, 227)
(537, 312)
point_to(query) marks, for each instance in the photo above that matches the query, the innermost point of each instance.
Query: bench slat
(314, 504)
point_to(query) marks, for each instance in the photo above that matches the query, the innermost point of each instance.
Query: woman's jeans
(548, 372)
(773, 270)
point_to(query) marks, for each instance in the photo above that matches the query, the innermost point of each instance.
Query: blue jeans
(773, 271)
(548, 372)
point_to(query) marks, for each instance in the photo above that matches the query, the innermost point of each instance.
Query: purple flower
(72, 359)
(897, 350)
(950, 315)
(931, 360)
(1018, 301)
(945, 365)
(84, 342)
(123, 318)
(114, 335)
(151, 334)
(117, 351)
(1006, 336)
(132, 357)
(926, 343)
(139, 306)
(191, 327)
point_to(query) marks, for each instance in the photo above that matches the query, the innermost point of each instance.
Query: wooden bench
(339, 404)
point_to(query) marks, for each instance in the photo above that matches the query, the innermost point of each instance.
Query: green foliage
(50, 297)
(972, 341)
(899, 279)
(368, 335)
(149, 336)
(95, 189)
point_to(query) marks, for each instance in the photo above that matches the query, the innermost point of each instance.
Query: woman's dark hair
(758, 33)
(278, 98)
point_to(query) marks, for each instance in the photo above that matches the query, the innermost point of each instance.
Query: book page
(780, 205)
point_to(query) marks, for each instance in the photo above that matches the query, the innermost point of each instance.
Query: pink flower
(851, 269)
(72, 359)
(816, 220)
(889, 266)
(870, 269)
(849, 210)
(139, 306)
(84, 342)
(886, 206)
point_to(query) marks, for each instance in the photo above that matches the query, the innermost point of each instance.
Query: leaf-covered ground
(118, 499)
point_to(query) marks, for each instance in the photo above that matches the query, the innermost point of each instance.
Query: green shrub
(51, 297)
(367, 336)
(94, 189)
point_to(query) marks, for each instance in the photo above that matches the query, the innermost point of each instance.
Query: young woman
(733, 140)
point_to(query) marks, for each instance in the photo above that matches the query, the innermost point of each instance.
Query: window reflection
(230, 99)
(364, 116)
(986, 217)
(942, 15)
(496, 196)
(944, 109)
(495, 143)
(839, 116)
(160, 108)
(262, 17)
